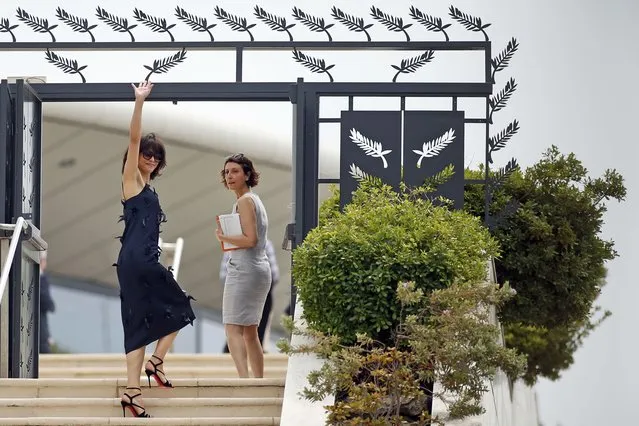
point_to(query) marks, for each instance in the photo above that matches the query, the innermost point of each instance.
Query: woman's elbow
(252, 242)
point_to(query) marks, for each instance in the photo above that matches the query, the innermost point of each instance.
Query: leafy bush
(449, 339)
(548, 351)
(347, 269)
(329, 207)
(552, 255)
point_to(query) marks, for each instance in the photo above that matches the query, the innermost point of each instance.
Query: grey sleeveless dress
(248, 279)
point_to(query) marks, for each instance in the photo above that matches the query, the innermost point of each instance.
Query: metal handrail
(34, 239)
(18, 227)
(177, 256)
(177, 248)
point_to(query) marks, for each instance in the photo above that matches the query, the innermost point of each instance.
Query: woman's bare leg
(164, 344)
(134, 360)
(161, 349)
(237, 348)
(254, 350)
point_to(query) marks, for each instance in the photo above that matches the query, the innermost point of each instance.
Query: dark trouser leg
(266, 313)
(44, 334)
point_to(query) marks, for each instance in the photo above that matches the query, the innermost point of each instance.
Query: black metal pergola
(21, 112)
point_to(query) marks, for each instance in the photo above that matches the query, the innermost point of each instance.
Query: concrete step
(172, 372)
(116, 360)
(113, 388)
(85, 389)
(102, 421)
(157, 407)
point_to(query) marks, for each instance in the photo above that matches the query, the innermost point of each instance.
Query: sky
(576, 70)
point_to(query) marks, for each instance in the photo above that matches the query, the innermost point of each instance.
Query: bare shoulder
(246, 202)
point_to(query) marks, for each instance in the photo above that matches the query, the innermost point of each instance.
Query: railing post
(4, 316)
(19, 342)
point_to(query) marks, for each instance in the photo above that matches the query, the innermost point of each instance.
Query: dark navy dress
(153, 304)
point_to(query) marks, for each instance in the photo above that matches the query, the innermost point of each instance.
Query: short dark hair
(151, 144)
(247, 166)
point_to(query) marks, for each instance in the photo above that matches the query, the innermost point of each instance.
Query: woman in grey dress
(248, 279)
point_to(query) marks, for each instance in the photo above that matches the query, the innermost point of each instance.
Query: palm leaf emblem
(435, 147)
(370, 147)
(361, 176)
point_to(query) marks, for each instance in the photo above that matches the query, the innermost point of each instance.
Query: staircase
(85, 389)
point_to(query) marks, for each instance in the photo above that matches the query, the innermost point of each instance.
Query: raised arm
(248, 220)
(130, 177)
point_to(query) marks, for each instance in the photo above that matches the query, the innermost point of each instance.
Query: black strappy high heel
(156, 376)
(132, 405)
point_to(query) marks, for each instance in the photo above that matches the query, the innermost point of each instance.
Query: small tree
(552, 255)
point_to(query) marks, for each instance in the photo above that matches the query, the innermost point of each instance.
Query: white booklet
(231, 226)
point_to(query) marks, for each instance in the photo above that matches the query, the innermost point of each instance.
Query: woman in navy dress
(154, 307)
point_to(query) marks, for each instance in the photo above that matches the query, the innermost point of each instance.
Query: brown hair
(247, 166)
(150, 144)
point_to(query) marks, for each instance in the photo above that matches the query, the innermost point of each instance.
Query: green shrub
(552, 255)
(329, 207)
(449, 339)
(548, 351)
(348, 268)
